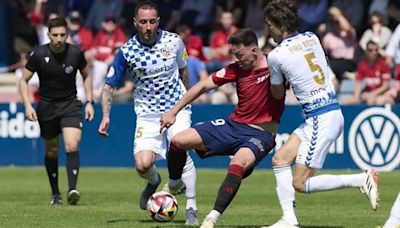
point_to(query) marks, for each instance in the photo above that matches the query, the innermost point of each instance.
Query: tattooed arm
(106, 102)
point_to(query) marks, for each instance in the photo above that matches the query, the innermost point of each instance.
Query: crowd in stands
(361, 39)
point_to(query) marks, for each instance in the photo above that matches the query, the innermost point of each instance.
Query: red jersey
(107, 44)
(373, 75)
(194, 47)
(220, 39)
(256, 104)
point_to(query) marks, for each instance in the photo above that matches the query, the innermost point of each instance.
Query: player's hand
(104, 126)
(30, 113)
(166, 120)
(89, 112)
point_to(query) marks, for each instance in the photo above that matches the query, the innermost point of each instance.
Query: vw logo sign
(374, 139)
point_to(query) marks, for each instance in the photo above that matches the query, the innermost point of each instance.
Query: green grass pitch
(109, 198)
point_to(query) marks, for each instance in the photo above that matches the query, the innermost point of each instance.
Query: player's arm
(278, 88)
(114, 79)
(88, 84)
(199, 88)
(184, 74)
(24, 92)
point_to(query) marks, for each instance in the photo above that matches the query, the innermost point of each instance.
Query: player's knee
(71, 146)
(298, 185)
(52, 152)
(142, 167)
(176, 144)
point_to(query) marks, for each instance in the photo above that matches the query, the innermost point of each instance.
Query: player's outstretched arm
(30, 112)
(106, 102)
(88, 83)
(168, 118)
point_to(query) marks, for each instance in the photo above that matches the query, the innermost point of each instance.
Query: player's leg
(51, 164)
(394, 218)
(320, 135)
(148, 147)
(281, 164)
(243, 160)
(71, 124)
(72, 138)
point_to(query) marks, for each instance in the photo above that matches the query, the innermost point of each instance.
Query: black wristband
(91, 102)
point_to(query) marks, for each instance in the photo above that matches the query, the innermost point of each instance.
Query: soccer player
(248, 134)
(156, 61)
(58, 110)
(300, 59)
(394, 219)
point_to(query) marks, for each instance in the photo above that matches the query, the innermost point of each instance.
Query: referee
(58, 110)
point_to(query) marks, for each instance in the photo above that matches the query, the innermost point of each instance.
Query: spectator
(375, 73)
(79, 34)
(340, 43)
(312, 13)
(197, 14)
(393, 11)
(77, 5)
(193, 43)
(105, 45)
(236, 7)
(219, 48)
(392, 51)
(354, 11)
(33, 84)
(380, 6)
(100, 10)
(255, 11)
(197, 72)
(378, 33)
(169, 14)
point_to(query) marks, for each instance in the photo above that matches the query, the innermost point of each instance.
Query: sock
(229, 188)
(286, 192)
(214, 215)
(72, 169)
(189, 178)
(329, 182)
(394, 218)
(176, 161)
(151, 176)
(52, 172)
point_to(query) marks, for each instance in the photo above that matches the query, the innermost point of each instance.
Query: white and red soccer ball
(162, 206)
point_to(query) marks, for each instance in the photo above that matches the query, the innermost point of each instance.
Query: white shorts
(148, 136)
(317, 135)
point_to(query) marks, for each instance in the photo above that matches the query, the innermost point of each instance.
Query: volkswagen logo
(374, 139)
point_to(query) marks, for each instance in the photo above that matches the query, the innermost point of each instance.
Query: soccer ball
(162, 206)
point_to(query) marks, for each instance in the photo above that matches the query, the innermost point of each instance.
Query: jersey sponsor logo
(374, 139)
(46, 59)
(111, 72)
(262, 78)
(221, 73)
(161, 69)
(69, 69)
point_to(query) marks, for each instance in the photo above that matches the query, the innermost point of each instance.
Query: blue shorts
(226, 137)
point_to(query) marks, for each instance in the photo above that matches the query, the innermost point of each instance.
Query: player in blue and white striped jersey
(155, 60)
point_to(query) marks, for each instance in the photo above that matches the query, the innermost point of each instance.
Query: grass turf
(109, 198)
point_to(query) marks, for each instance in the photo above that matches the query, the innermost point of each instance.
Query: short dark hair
(57, 22)
(245, 37)
(282, 14)
(146, 4)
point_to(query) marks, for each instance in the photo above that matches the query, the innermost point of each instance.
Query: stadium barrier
(371, 138)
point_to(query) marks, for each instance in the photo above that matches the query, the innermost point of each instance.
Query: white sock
(394, 218)
(189, 178)
(151, 176)
(285, 192)
(214, 215)
(329, 182)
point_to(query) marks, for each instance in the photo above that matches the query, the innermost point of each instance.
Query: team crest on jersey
(221, 73)
(111, 72)
(166, 51)
(68, 69)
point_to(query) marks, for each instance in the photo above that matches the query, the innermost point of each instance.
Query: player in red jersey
(248, 134)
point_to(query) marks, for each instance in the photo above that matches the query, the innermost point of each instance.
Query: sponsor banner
(371, 138)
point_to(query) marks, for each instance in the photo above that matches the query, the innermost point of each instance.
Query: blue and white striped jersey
(154, 70)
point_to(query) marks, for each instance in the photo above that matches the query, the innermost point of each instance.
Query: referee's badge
(68, 69)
